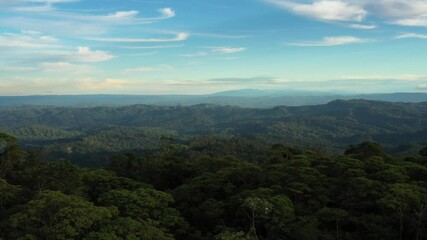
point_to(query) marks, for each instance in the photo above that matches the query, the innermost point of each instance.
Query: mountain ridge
(252, 98)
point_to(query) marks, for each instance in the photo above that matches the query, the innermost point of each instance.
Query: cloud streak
(13, 40)
(158, 68)
(331, 41)
(250, 80)
(401, 77)
(178, 38)
(101, 84)
(216, 51)
(411, 35)
(362, 26)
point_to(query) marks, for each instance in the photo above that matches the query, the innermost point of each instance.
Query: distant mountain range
(252, 98)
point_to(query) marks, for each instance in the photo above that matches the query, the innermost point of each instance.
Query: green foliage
(423, 152)
(53, 215)
(227, 235)
(365, 150)
(207, 190)
(10, 153)
(128, 229)
(8, 195)
(145, 205)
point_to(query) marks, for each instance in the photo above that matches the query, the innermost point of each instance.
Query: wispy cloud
(216, 51)
(36, 56)
(331, 41)
(381, 77)
(42, 1)
(35, 6)
(34, 9)
(109, 83)
(45, 18)
(179, 37)
(420, 21)
(17, 69)
(228, 58)
(117, 16)
(140, 54)
(411, 35)
(362, 26)
(130, 16)
(152, 47)
(250, 80)
(66, 68)
(158, 68)
(422, 86)
(13, 40)
(220, 36)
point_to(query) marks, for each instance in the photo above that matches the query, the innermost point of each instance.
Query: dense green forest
(90, 135)
(213, 188)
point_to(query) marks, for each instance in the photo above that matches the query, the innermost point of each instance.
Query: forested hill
(242, 98)
(332, 126)
(382, 115)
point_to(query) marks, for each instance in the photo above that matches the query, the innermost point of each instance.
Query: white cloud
(151, 47)
(17, 69)
(117, 16)
(420, 21)
(167, 13)
(333, 10)
(30, 32)
(85, 54)
(411, 35)
(13, 40)
(219, 35)
(179, 37)
(158, 68)
(228, 58)
(48, 1)
(216, 51)
(362, 26)
(395, 8)
(422, 86)
(401, 77)
(331, 41)
(38, 49)
(36, 6)
(65, 67)
(57, 26)
(34, 9)
(141, 54)
(101, 84)
(400, 12)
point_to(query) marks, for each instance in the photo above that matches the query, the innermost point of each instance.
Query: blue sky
(206, 46)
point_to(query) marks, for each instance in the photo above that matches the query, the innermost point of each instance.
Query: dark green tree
(55, 216)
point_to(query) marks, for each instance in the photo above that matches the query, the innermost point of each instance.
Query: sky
(206, 46)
